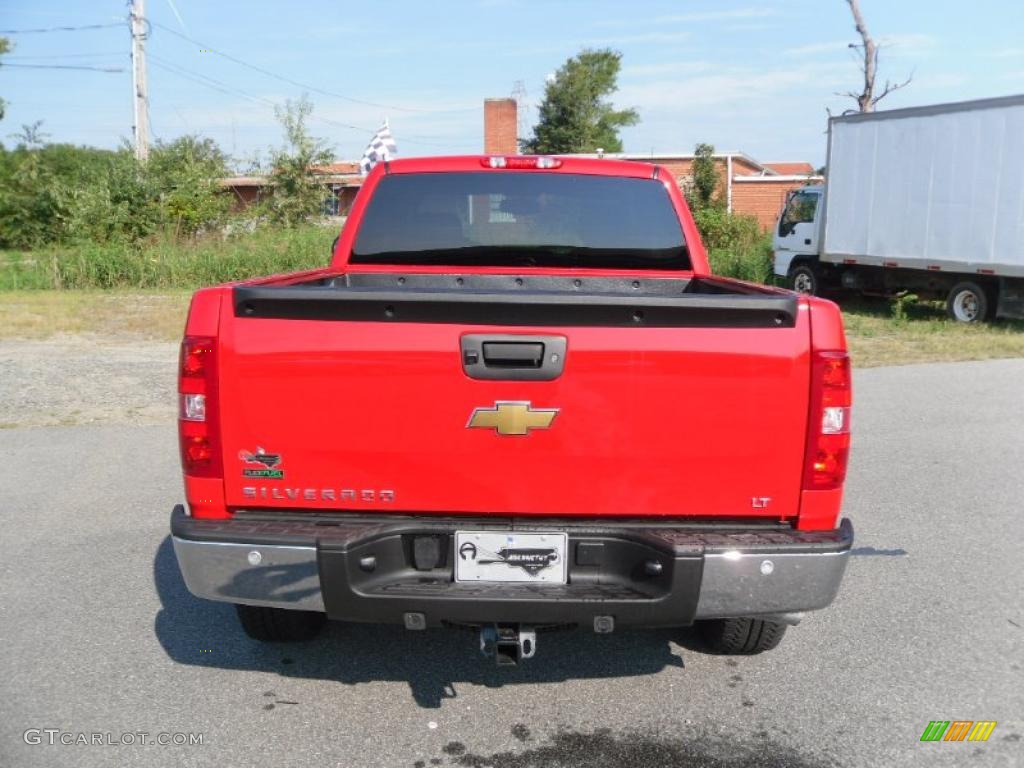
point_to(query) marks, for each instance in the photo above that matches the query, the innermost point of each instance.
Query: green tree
(575, 115)
(31, 135)
(63, 193)
(701, 192)
(30, 200)
(40, 186)
(5, 47)
(116, 202)
(296, 192)
(186, 174)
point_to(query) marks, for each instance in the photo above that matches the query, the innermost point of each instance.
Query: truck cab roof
(506, 163)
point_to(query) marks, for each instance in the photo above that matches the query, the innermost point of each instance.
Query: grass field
(875, 338)
(146, 315)
(926, 335)
(167, 264)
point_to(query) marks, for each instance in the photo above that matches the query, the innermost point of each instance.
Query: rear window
(521, 219)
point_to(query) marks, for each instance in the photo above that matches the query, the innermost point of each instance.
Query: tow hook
(508, 643)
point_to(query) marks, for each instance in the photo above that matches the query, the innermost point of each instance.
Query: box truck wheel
(804, 278)
(968, 303)
(741, 636)
(279, 625)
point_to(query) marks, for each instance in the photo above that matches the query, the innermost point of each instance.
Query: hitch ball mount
(508, 643)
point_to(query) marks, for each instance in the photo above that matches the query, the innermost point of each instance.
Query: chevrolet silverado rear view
(516, 400)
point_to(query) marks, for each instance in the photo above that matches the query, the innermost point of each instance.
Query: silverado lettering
(317, 494)
(575, 422)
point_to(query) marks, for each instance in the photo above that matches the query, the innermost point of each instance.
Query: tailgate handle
(513, 358)
(513, 354)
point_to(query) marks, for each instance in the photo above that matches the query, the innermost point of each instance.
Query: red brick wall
(683, 168)
(740, 167)
(346, 196)
(500, 127)
(762, 198)
(243, 197)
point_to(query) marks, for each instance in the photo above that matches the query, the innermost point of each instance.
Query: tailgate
(353, 414)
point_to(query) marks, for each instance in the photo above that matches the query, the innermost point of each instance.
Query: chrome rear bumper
(283, 576)
(727, 573)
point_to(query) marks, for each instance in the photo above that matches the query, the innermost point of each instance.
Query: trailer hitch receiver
(508, 643)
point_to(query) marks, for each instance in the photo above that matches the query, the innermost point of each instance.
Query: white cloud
(735, 14)
(815, 48)
(940, 81)
(892, 45)
(255, 125)
(730, 15)
(906, 45)
(752, 26)
(1006, 53)
(641, 37)
(565, 46)
(666, 68)
(727, 88)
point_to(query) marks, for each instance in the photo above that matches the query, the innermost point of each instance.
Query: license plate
(511, 557)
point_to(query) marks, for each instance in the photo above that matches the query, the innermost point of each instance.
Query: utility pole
(140, 92)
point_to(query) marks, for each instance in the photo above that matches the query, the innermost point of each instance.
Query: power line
(58, 29)
(222, 87)
(65, 66)
(306, 86)
(64, 56)
(196, 77)
(230, 90)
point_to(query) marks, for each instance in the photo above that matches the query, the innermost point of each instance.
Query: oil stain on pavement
(604, 749)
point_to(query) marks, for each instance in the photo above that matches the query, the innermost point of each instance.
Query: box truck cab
(926, 200)
(796, 239)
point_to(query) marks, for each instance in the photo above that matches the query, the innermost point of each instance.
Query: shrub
(736, 245)
(700, 194)
(185, 175)
(166, 262)
(63, 194)
(297, 192)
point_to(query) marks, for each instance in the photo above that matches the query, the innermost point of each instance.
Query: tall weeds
(164, 262)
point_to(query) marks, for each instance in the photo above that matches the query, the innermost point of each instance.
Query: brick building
(342, 180)
(746, 185)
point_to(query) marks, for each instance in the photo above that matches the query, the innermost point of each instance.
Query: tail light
(828, 428)
(198, 424)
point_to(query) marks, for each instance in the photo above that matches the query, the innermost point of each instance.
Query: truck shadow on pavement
(207, 634)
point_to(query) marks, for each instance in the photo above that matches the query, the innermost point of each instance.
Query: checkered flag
(381, 147)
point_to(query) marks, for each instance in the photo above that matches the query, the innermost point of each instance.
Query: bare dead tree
(869, 49)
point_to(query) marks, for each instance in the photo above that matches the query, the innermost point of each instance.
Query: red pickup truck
(516, 400)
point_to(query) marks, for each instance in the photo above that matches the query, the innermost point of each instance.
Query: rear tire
(804, 278)
(741, 637)
(279, 625)
(968, 302)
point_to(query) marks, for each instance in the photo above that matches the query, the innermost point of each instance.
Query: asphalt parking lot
(99, 634)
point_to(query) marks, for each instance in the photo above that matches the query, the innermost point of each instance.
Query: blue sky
(744, 75)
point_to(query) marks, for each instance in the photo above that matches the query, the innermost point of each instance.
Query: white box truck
(928, 200)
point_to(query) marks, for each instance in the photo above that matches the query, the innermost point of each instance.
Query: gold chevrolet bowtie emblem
(512, 418)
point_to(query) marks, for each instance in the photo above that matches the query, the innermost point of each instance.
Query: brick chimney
(500, 127)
